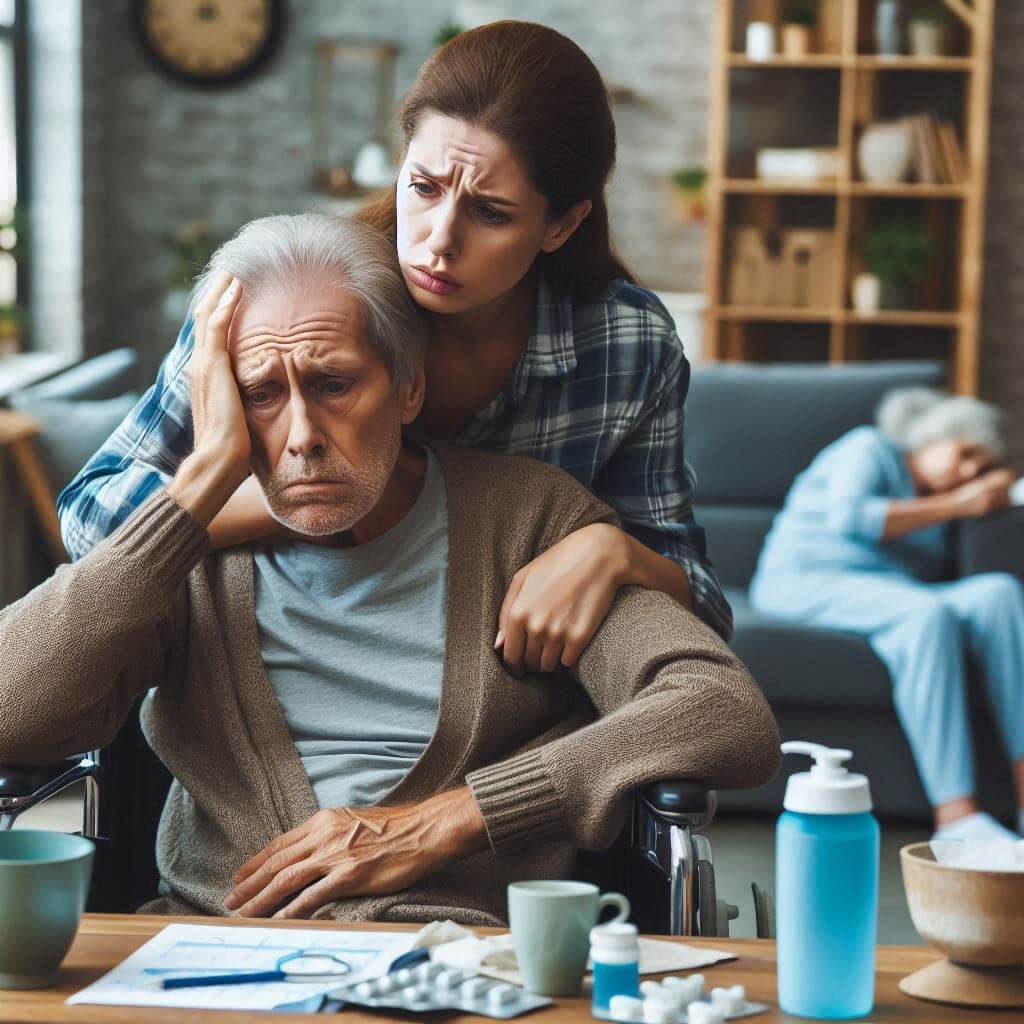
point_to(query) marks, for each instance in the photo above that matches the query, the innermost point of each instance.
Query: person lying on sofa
(344, 739)
(862, 544)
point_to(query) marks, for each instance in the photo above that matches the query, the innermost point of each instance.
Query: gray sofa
(750, 430)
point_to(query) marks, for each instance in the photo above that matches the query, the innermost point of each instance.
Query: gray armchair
(750, 430)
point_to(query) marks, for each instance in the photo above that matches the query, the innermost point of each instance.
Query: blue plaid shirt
(598, 392)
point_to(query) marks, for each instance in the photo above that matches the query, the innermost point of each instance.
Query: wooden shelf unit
(859, 78)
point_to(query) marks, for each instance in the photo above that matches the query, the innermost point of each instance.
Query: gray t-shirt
(353, 643)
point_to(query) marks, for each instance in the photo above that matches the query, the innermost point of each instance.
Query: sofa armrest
(992, 544)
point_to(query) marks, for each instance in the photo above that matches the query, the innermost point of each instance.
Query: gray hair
(281, 252)
(914, 417)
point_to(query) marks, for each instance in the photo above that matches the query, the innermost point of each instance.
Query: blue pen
(304, 966)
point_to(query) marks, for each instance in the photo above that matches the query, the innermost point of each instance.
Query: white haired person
(862, 544)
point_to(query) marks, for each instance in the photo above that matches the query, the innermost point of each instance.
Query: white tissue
(979, 855)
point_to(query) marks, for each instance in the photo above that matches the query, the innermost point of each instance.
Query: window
(11, 78)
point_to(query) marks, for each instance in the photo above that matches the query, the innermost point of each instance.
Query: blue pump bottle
(826, 867)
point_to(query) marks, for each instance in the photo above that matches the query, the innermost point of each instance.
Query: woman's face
(470, 222)
(944, 465)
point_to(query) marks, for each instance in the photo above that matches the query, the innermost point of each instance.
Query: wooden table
(105, 939)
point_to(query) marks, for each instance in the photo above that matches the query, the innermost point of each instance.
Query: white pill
(657, 1011)
(500, 995)
(693, 983)
(728, 999)
(476, 987)
(364, 989)
(386, 984)
(403, 977)
(427, 972)
(626, 1008)
(649, 988)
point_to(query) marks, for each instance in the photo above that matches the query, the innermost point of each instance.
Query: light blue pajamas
(824, 563)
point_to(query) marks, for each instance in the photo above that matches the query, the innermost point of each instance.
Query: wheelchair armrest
(24, 785)
(682, 801)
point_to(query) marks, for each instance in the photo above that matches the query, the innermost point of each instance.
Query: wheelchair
(662, 860)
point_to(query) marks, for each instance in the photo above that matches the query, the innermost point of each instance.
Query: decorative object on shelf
(211, 43)
(867, 293)
(899, 252)
(798, 24)
(936, 157)
(760, 40)
(929, 25)
(10, 329)
(341, 174)
(889, 28)
(797, 164)
(689, 183)
(884, 152)
(13, 236)
(790, 267)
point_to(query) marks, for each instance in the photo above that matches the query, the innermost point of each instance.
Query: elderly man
(344, 740)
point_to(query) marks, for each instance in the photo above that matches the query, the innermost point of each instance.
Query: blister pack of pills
(679, 1000)
(435, 987)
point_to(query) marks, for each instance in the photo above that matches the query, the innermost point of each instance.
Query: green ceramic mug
(550, 924)
(44, 882)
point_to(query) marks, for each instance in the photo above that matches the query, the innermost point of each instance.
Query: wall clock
(209, 42)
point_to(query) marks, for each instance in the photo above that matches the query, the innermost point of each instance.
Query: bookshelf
(827, 98)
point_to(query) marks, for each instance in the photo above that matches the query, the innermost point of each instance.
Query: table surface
(104, 940)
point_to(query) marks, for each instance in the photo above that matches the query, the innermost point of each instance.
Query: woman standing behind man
(541, 342)
(862, 544)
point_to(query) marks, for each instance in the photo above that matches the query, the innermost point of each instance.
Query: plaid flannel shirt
(598, 392)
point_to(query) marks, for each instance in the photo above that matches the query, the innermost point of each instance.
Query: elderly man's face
(323, 415)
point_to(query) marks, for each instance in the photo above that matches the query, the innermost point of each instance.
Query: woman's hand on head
(557, 602)
(984, 495)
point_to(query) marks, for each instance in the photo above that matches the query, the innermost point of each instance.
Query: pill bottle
(615, 950)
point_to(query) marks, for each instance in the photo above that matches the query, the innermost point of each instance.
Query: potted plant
(928, 27)
(898, 252)
(191, 246)
(798, 28)
(448, 31)
(689, 183)
(10, 328)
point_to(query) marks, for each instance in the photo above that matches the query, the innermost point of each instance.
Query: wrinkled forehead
(310, 324)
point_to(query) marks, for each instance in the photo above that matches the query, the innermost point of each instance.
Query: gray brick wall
(157, 154)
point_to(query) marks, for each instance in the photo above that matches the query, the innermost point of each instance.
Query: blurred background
(828, 188)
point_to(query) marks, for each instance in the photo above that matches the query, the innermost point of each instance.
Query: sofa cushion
(106, 376)
(807, 666)
(751, 428)
(735, 536)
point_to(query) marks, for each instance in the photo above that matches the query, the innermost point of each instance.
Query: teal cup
(550, 924)
(44, 882)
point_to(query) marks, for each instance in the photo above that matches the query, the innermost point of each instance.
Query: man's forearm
(907, 515)
(203, 485)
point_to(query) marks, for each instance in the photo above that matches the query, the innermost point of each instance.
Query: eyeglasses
(305, 966)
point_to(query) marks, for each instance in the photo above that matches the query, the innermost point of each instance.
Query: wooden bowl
(974, 917)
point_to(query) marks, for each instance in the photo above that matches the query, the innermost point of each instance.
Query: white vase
(927, 38)
(760, 40)
(884, 153)
(867, 293)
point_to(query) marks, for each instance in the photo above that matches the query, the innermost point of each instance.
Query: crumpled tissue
(454, 945)
(980, 855)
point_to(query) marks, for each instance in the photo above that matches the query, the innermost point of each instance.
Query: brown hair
(537, 90)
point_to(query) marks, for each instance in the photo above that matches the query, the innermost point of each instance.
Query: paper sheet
(191, 949)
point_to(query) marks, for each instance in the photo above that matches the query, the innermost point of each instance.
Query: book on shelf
(936, 155)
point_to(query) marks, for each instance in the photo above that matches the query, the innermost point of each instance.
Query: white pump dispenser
(828, 788)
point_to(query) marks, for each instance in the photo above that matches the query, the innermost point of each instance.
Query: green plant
(10, 319)
(690, 179)
(449, 30)
(933, 11)
(899, 252)
(801, 13)
(192, 246)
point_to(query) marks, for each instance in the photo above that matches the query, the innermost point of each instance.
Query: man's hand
(220, 457)
(343, 851)
(989, 493)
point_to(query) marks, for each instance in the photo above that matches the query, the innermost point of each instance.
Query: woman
(541, 344)
(861, 544)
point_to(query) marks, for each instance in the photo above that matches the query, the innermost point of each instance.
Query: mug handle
(613, 899)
